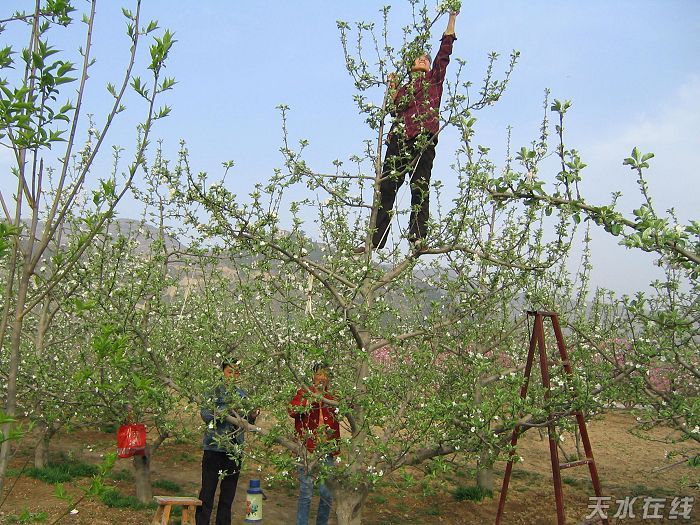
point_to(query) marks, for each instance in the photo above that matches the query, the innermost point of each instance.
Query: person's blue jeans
(306, 492)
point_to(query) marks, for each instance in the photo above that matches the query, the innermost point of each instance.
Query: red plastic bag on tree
(131, 440)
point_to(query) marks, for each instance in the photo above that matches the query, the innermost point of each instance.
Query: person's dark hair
(321, 365)
(231, 362)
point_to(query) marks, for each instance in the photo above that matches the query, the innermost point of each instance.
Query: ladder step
(579, 463)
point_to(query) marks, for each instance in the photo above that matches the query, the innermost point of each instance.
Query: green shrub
(471, 493)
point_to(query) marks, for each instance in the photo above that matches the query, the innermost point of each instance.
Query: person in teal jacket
(223, 445)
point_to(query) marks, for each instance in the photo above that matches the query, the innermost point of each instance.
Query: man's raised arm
(451, 24)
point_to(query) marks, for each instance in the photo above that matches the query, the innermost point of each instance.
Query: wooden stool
(165, 503)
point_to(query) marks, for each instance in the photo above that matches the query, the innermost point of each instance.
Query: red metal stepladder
(537, 338)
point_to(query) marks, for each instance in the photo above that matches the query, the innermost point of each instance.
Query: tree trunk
(41, 452)
(484, 466)
(484, 473)
(349, 504)
(4, 458)
(11, 391)
(579, 444)
(142, 478)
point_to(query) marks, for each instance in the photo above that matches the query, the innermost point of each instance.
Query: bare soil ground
(626, 465)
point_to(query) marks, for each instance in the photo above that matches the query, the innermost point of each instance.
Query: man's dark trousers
(212, 463)
(414, 156)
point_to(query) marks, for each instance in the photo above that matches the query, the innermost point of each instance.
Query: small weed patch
(578, 483)
(185, 457)
(402, 507)
(428, 488)
(62, 472)
(643, 490)
(121, 475)
(27, 517)
(167, 485)
(471, 493)
(109, 428)
(115, 499)
(433, 511)
(379, 499)
(525, 474)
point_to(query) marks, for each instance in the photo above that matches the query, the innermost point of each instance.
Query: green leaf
(6, 57)
(162, 112)
(5, 419)
(64, 67)
(152, 26)
(560, 107)
(64, 80)
(167, 83)
(61, 493)
(139, 87)
(55, 136)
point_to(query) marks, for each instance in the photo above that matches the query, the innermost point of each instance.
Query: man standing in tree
(412, 140)
(223, 445)
(318, 429)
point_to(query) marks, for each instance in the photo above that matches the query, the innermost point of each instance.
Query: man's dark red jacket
(316, 424)
(417, 104)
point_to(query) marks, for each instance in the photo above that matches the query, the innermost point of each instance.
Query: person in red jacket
(412, 140)
(317, 427)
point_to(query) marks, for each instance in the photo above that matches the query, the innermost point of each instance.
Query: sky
(630, 68)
